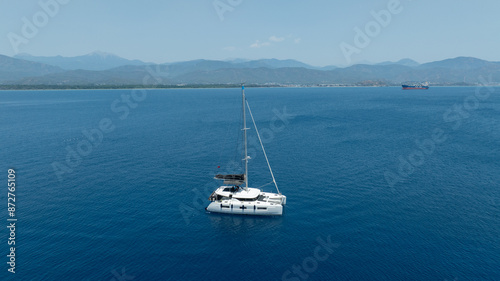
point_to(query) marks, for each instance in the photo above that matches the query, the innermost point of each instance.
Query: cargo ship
(415, 87)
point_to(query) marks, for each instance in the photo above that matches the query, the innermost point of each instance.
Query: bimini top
(234, 179)
(240, 193)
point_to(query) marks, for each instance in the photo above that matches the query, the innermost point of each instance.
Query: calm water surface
(402, 185)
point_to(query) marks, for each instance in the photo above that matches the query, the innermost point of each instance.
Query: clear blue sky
(309, 31)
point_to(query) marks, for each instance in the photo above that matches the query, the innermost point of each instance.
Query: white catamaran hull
(250, 201)
(235, 206)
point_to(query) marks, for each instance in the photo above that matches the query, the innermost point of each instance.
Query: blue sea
(381, 184)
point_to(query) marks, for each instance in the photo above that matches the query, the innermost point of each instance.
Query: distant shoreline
(194, 86)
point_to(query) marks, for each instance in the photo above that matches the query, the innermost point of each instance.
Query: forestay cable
(263, 150)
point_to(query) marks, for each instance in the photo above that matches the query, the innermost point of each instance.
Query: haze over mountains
(100, 69)
(93, 61)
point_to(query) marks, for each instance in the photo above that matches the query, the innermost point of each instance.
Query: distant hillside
(463, 63)
(273, 63)
(405, 62)
(92, 61)
(262, 75)
(124, 75)
(12, 69)
(451, 71)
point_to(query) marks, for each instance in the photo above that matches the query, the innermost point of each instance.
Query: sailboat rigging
(235, 196)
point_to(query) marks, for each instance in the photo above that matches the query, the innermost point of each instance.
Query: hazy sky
(310, 31)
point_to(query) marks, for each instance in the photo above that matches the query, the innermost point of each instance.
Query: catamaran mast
(245, 135)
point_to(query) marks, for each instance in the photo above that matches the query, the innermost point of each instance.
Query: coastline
(200, 86)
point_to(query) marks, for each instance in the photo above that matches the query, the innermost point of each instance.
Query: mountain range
(103, 69)
(93, 61)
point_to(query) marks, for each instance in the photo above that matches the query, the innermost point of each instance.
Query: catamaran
(234, 196)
